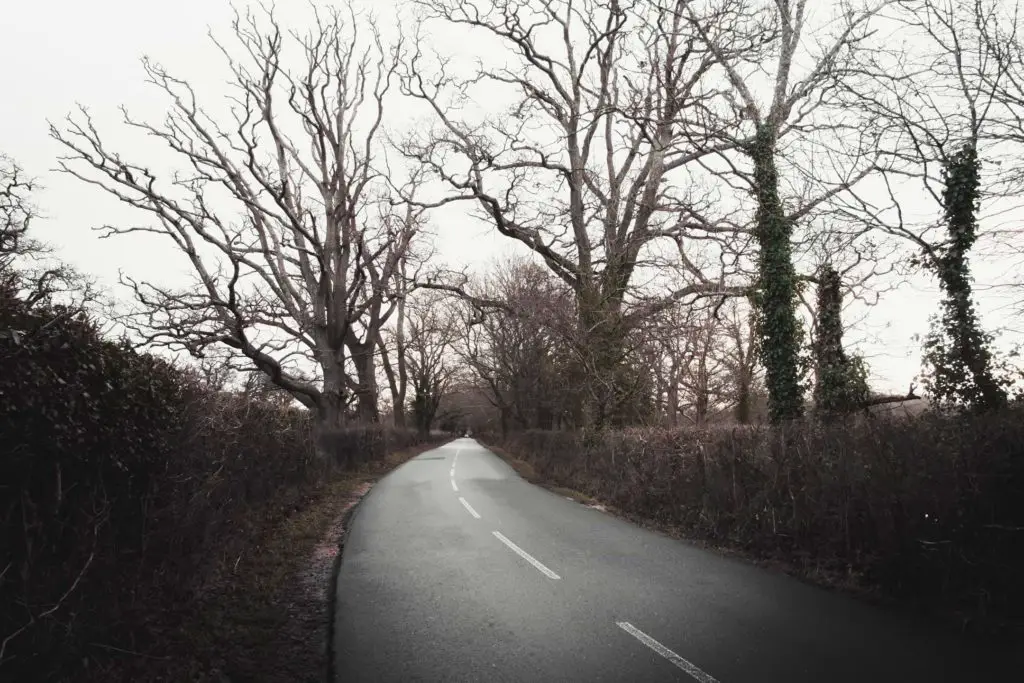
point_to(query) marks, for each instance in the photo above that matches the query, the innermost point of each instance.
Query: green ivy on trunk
(957, 358)
(840, 380)
(779, 331)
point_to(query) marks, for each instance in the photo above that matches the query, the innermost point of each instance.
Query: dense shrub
(122, 481)
(929, 509)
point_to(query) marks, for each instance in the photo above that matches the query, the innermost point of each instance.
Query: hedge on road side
(928, 510)
(122, 480)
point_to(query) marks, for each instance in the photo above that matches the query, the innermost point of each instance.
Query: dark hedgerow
(123, 481)
(928, 510)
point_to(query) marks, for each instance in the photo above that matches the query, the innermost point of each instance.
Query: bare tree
(739, 351)
(521, 351)
(432, 367)
(282, 212)
(16, 211)
(1003, 45)
(590, 165)
(705, 363)
(28, 269)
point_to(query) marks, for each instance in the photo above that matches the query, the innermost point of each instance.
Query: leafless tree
(590, 165)
(997, 25)
(739, 352)
(28, 268)
(292, 233)
(930, 103)
(705, 363)
(432, 330)
(520, 351)
(16, 211)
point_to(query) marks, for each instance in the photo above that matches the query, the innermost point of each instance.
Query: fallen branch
(882, 400)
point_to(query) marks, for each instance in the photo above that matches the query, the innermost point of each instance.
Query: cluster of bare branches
(294, 233)
(645, 139)
(680, 170)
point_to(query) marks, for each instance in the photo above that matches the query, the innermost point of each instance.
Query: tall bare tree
(590, 164)
(281, 210)
(739, 351)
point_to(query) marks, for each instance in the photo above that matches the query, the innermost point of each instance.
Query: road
(456, 569)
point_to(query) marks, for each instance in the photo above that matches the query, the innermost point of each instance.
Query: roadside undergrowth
(919, 515)
(263, 616)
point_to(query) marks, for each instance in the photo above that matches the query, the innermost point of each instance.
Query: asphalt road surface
(456, 569)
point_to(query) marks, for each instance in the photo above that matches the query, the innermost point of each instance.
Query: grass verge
(264, 614)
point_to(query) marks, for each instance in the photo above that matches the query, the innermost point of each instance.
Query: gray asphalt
(428, 592)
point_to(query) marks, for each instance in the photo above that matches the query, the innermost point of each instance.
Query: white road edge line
(526, 556)
(454, 487)
(688, 667)
(469, 507)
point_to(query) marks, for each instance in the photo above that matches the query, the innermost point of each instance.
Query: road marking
(469, 507)
(526, 556)
(451, 472)
(454, 487)
(683, 664)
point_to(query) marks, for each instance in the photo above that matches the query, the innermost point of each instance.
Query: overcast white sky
(56, 53)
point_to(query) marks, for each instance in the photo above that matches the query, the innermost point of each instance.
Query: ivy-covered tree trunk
(601, 354)
(778, 329)
(426, 400)
(958, 350)
(840, 381)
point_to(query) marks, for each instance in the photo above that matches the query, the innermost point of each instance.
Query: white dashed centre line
(451, 472)
(454, 487)
(469, 507)
(683, 664)
(526, 556)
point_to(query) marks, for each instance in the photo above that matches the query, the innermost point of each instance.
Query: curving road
(456, 569)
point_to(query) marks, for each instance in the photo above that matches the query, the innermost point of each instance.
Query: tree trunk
(366, 383)
(398, 396)
(744, 400)
(701, 400)
(329, 417)
(397, 401)
(397, 383)
(778, 328)
(602, 350)
(672, 395)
